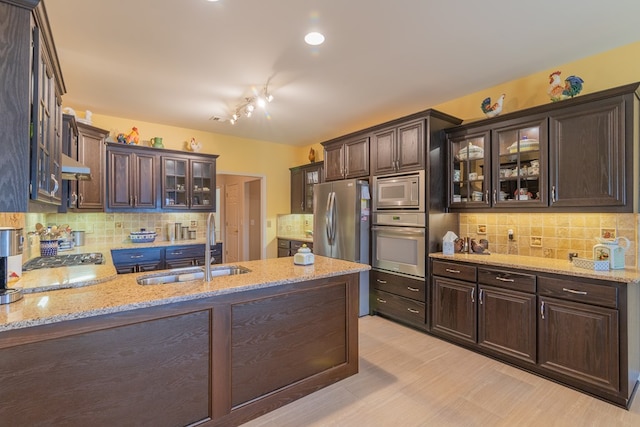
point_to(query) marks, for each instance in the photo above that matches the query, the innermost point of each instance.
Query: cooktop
(63, 261)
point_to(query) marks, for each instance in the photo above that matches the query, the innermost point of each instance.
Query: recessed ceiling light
(314, 38)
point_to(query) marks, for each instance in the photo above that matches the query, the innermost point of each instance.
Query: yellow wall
(613, 68)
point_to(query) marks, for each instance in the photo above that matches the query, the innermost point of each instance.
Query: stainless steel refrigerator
(341, 226)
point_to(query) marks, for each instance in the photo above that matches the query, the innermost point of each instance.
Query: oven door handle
(409, 231)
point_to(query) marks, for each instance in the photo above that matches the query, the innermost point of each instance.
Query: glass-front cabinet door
(188, 183)
(311, 177)
(202, 179)
(470, 170)
(520, 162)
(175, 186)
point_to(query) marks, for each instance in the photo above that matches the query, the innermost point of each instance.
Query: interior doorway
(241, 213)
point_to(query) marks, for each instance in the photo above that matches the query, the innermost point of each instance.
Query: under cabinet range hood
(73, 170)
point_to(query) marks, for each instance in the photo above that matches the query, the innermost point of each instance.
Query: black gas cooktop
(63, 261)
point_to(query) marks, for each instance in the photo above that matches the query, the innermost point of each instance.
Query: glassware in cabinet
(469, 172)
(520, 161)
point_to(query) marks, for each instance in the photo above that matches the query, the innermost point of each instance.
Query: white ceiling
(181, 62)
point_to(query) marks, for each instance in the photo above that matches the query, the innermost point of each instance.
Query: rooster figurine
(559, 90)
(132, 137)
(492, 110)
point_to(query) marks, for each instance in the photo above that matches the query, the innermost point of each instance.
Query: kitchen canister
(78, 238)
(48, 247)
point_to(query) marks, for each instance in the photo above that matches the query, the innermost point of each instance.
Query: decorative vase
(48, 247)
(312, 155)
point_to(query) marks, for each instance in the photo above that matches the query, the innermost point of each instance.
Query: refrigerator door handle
(333, 218)
(329, 217)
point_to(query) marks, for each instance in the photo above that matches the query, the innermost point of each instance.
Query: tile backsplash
(295, 224)
(114, 228)
(549, 235)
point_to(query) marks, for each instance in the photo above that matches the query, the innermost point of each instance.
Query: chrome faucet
(211, 236)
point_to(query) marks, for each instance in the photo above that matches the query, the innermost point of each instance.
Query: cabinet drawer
(136, 256)
(454, 270)
(295, 245)
(590, 293)
(187, 251)
(507, 279)
(284, 243)
(399, 308)
(399, 285)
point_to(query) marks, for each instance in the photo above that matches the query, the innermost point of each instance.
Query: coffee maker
(11, 244)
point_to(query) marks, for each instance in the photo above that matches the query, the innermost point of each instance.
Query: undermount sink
(188, 274)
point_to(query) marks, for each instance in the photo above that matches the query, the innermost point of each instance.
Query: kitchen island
(217, 353)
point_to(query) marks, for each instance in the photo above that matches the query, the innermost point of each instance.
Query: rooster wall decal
(492, 110)
(559, 90)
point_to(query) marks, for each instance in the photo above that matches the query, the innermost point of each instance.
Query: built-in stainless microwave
(399, 192)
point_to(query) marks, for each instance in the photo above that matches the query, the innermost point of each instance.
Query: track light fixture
(247, 107)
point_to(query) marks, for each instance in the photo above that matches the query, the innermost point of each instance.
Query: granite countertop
(546, 265)
(84, 275)
(111, 293)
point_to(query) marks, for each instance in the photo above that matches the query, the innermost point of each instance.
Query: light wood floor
(409, 379)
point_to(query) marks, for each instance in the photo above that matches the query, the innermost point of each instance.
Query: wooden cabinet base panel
(218, 361)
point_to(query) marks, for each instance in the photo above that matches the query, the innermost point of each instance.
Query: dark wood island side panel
(213, 361)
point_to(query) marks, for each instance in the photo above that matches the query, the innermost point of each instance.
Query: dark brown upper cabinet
(591, 153)
(188, 181)
(346, 158)
(398, 149)
(576, 155)
(303, 178)
(31, 87)
(132, 178)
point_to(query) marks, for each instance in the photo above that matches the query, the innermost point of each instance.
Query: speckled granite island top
(546, 265)
(111, 293)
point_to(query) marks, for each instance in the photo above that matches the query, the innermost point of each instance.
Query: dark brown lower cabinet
(580, 343)
(582, 332)
(399, 297)
(454, 310)
(506, 323)
(401, 309)
(217, 361)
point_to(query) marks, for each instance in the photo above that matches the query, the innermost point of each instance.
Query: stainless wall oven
(398, 242)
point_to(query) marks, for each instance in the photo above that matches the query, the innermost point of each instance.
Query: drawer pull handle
(413, 289)
(573, 291)
(502, 279)
(449, 270)
(176, 253)
(381, 300)
(413, 310)
(384, 282)
(137, 256)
